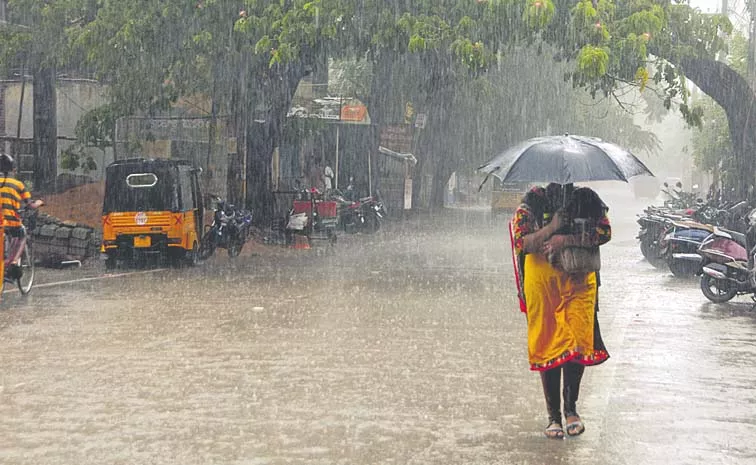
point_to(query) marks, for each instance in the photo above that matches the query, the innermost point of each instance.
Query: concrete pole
(336, 166)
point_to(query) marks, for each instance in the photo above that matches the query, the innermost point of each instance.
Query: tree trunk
(732, 92)
(260, 143)
(264, 136)
(378, 103)
(440, 182)
(443, 156)
(45, 130)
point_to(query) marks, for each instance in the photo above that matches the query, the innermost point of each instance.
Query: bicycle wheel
(26, 280)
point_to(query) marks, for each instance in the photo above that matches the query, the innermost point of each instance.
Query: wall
(74, 99)
(191, 138)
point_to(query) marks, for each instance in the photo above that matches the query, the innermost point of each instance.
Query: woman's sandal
(575, 428)
(554, 431)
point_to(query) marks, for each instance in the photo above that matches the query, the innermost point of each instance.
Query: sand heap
(81, 204)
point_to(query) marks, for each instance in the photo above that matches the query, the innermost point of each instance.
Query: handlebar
(29, 216)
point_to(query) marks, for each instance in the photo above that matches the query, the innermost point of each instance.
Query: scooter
(727, 269)
(683, 239)
(680, 246)
(652, 231)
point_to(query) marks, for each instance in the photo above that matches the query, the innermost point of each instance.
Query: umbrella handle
(567, 190)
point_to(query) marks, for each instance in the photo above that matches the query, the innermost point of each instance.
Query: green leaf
(593, 61)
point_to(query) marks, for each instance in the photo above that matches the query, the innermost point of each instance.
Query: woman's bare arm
(533, 242)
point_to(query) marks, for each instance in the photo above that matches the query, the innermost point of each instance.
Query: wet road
(403, 348)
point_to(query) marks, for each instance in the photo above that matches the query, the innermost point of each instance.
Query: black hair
(538, 204)
(585, 203)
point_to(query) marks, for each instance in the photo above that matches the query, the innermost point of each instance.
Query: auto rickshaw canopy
(140, 184)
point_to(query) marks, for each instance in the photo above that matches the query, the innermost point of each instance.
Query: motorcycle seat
(693, 225)
(738, 237)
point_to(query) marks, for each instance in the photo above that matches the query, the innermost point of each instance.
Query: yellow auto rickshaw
(153, 208)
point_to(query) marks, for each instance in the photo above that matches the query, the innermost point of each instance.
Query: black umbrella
(564, 160)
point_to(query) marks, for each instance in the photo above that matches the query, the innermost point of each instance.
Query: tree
(712, 145)
(712, 148)
(433, 53)
(251, 58)
(619, 42)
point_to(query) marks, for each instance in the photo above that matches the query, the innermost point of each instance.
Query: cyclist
(12, 194)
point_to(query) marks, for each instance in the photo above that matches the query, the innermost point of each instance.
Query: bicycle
(24, 276)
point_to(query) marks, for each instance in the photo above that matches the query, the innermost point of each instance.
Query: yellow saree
(560, 311)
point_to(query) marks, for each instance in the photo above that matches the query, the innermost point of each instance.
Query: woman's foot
(575, 426)
(554, 431)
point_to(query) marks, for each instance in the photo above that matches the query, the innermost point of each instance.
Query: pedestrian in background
(315, 174)
(563, 335)
(328, 176)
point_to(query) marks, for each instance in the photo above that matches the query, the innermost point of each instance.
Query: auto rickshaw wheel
(193, 256)
(176, 257)
(111, 263)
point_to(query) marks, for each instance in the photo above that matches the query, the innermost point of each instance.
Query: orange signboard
(355, 113)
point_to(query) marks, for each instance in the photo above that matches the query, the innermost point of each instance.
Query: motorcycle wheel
(372, 224)
(207, 249)
(655, 259)
(645, 247)
(717, 290)
(682, 268)
(235, 249)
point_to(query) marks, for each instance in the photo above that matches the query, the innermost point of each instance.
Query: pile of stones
(56, 242)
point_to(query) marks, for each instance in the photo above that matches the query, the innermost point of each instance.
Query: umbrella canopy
(565, 159)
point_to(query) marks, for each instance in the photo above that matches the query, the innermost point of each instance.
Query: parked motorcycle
(229, 230)
(653, 227)
(729, 216)
(727, 270)
(680, 245)
(670, 237)
(363, 215)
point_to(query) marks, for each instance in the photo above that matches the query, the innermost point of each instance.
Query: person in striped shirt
(12, 194)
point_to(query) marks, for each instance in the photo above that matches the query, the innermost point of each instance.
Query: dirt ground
(81, 204)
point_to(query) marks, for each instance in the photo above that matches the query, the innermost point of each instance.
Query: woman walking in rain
(563, 335)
